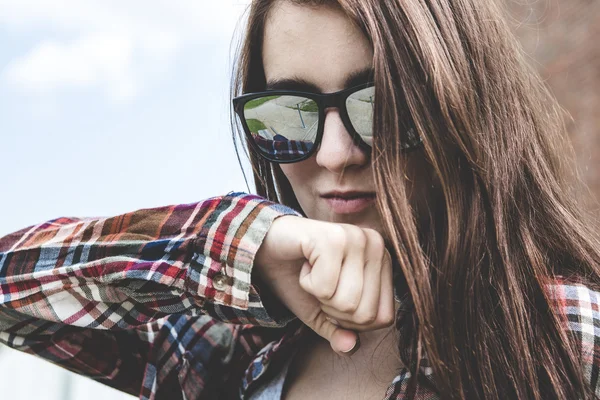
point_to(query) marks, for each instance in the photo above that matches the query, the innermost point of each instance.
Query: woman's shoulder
(574, 295)
(578, 303)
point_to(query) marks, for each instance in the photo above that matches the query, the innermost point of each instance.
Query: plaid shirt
(283, 149)
(159, 302)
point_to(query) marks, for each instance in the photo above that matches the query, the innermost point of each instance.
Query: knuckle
(386, 319)
(337, 236)
(320, 327)
(375, 239)
(324, 292)
(376, 245)
(365, 318)
(358, 237)
(347, 305)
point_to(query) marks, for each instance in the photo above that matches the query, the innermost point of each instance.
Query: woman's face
(319, 49)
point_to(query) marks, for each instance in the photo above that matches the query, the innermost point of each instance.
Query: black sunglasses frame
(324, 101)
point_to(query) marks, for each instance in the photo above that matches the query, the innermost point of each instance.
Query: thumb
(342, 341)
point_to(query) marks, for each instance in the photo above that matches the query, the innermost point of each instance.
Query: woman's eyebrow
(360, 77)
(292, 84)
(354, 79)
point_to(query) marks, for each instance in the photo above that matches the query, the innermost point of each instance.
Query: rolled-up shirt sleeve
(124, 276)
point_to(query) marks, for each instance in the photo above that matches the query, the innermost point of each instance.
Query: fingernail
(354, 348)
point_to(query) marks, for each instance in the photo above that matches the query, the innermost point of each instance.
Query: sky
(108, 107)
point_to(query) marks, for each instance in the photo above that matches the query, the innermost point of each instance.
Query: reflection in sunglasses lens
(360, 111)
(283, 127)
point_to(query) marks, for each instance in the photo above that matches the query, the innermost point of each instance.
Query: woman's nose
(337, 150)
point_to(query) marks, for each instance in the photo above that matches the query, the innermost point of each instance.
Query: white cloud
(107, 43)
(88, 61)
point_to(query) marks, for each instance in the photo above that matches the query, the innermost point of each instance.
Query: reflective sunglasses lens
(283, 127)
(360, 111)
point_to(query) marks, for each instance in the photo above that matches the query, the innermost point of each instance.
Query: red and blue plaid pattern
(129, 301)
(283, 150)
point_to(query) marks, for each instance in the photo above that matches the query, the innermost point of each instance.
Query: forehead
(319, 45)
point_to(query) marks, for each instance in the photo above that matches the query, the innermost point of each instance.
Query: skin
(320, 46)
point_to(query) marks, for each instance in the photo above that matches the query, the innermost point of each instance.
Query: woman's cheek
(298, 176)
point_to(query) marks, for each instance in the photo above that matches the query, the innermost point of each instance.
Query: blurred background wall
(563, 38)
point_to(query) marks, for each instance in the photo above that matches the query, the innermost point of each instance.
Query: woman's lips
(354, 204)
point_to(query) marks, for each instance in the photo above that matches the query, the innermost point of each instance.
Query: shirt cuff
(221, 267)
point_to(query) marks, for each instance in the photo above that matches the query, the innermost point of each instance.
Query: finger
(346, 322)
(383, 308)
(350, 286)
(368, 308)
(341, 340)
(386, 312)
(305, 270)
(345, 342)
(367, 312)
(321, 278)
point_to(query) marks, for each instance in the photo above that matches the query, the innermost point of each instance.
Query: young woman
(428, 163)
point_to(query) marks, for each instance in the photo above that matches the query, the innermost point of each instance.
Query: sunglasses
(286, 126)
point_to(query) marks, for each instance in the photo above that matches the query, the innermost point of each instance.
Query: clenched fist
(336, 278)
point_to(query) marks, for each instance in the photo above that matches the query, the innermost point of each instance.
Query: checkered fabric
(283, 150)
(131, 301)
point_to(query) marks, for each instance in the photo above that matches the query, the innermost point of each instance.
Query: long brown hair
(504, 221)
